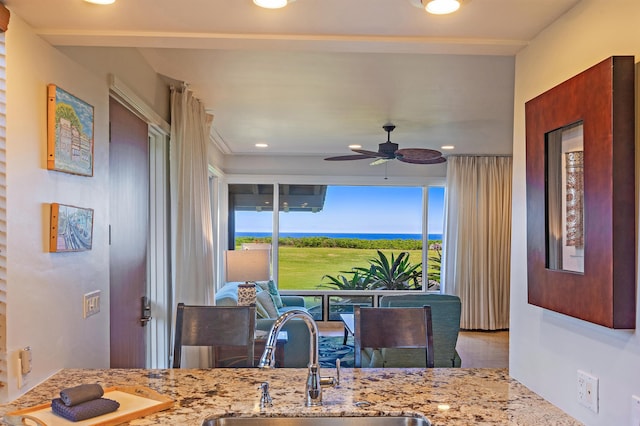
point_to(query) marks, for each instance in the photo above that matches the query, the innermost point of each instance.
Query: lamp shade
(247, 265)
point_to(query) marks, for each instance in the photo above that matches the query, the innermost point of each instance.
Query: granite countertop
(446, 396)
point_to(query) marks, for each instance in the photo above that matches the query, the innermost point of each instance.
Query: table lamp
(248, 266)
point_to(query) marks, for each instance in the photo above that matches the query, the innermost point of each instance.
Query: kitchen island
(446, 396)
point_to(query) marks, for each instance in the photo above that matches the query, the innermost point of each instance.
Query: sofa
(296, 350)
(445, 316)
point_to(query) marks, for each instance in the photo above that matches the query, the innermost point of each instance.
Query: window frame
(276, 180)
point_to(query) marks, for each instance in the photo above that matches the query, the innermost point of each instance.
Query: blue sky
(358, 209)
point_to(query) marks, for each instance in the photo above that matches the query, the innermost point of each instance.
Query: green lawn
(302, 268)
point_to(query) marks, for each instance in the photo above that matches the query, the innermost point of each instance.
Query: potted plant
(397, 273)
(348, 280)
(394, 274)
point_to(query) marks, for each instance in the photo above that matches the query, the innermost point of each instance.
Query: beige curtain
(191, 212)
(477, 244)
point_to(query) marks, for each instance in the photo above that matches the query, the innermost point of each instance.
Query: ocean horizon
(360, 236)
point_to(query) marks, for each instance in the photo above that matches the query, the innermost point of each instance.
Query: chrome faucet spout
(313, 389)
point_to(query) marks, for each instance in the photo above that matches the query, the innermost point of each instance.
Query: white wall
(547, 349)
(44, 297)
(130, 66)
(44, 290)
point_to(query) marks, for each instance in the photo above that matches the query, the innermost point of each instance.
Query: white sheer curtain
(478, 239)
(192, 239)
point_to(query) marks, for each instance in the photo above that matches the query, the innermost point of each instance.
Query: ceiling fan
(389, 151)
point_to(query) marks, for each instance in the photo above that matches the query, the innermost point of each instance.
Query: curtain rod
(183, 86)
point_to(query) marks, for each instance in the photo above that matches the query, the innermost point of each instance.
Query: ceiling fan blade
(348, 157)
(369, 153)
(432, 161)
(417, 154)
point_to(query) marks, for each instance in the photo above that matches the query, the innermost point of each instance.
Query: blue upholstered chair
(296, 350)
(445, 313)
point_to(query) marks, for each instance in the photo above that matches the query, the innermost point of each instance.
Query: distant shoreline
(370, 236)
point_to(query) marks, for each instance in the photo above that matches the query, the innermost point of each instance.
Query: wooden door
(129, 225)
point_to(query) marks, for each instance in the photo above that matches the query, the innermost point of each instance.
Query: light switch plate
(91, 303)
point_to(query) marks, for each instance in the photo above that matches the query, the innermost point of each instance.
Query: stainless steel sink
(317, 421)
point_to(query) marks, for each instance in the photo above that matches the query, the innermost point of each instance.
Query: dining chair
(379, 328)
(219, 327)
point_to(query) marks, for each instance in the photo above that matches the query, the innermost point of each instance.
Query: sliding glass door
(325, 231)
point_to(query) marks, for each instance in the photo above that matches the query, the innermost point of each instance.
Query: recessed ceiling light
(355, 146)
(262, 145)
(272, 4)
(447, 147)
(442, 7)
(101, 1)
(438, 7)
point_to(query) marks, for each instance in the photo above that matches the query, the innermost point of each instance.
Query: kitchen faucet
(313, 387)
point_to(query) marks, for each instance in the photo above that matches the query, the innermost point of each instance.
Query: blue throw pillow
(265, 300)
(270, 287)
(273, 291)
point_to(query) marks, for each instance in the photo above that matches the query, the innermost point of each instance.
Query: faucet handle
(332, 381)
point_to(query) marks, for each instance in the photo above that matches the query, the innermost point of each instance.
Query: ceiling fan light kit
(390, 151)
(272, 4)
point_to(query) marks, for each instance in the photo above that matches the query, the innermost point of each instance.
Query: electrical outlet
(588, 390)
(91, 303)
(635, 410)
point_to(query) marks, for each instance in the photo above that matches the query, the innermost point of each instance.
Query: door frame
(159, 282)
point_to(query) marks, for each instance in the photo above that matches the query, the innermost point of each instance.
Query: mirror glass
(565, 198)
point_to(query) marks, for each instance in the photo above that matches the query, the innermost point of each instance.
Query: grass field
(302, 268)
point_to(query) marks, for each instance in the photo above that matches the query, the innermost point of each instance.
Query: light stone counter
(452, 397)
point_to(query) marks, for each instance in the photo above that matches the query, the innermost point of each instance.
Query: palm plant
(355, 281)
(395, 274)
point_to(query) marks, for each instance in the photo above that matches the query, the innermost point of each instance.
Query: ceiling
(318, 75)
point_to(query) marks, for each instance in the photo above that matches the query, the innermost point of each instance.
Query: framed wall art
(580, 147)
(69, 133)
(71, 228)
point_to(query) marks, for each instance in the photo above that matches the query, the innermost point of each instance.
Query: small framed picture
(69, 133)
(71, 228)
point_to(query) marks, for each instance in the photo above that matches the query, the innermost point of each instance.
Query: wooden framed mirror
(581, 241)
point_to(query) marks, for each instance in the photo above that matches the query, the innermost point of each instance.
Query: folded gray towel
(84, 410)
(78, 394)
